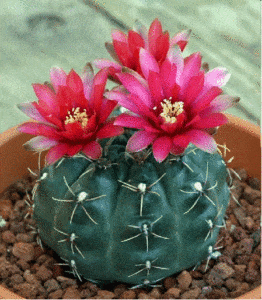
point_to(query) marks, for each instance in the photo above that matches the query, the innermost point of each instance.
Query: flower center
(171, 110)
(76, 116)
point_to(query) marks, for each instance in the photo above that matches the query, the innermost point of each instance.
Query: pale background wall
(39, 34)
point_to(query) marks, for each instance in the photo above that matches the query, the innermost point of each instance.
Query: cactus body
(132, 220)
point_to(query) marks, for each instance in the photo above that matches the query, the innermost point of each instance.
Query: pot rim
(243, 125)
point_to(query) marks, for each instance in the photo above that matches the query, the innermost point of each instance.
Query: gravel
(32, 271)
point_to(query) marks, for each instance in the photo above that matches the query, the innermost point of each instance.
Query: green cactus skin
(142, 225)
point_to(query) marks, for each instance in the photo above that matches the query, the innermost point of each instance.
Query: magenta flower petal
(30, 110)
(87, 79)
(154, 32)
(155, 87)
(147, 62)
(191, 68)
(58, 77)
(40, 143)
(161, 148)
(105, 63)
(193, 88)
(202, 140)
(140, 140)
(56, 153)
(174, 56)
(119, 36)
(39, 129)
(202, 102)
(211, 121)
(219, 104)
(217, 77)
(106, 110)
(135, 87)
(92, 150)
(181, 38)
(129, 121)
(45, 96)
(109, 130)
(74, 81)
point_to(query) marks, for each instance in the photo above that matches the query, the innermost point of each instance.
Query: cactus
(132, 220)
(135, 194)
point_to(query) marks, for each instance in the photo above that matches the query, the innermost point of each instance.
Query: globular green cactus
(128, 218)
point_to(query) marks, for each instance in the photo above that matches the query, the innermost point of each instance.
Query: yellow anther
(76, 116)
(171, 110)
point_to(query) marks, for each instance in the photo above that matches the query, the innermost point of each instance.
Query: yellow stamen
(171, 110)
(77, 116)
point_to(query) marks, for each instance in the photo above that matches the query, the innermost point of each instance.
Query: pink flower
(173, 104)
(72, 115)
(125, 48)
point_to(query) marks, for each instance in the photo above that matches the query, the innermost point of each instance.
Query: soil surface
(30, 269)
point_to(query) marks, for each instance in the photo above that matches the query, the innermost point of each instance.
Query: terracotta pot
(241, 137)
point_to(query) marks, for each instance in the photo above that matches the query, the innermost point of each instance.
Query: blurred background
(39, 34)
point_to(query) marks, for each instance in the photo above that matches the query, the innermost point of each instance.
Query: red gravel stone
(8, 237)
(240, 272)
(119, 289)
(184, 280)
(86, 294)
(239, 234)
(232, 284)
(24, 251)
(71, 293)
(43, 273)
(249, 223)
(23, 264)
(23, 237)
(241, 215)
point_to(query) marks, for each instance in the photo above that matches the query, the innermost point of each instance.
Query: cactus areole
(139, 195)
(129, 218)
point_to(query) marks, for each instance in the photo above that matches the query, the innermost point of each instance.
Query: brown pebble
(169, 282)
(58, 295)
(184, 280)
(119, 289)
(252, 275)
(240, 214)
(249, 223)
(198, 283)
(196, 274)
(191, 294)
(43, 273)
(239, 234)
(105, 294)
(8, 237)
(214, 278)
(23, 237)
(245, 247)
(65, 282)
(71, 293)
(5, 208)
(130, 294)
(155, 293)
(251, 195)
(16, 279)
(29, 277)
(224, 270)
(26, 290)
(24, 251)
(143, 295)
(231, 284)
(24, 265)
(242, 259)
(51, 285)
(174, 292)
(255, 183)
(217, 294)
(243, 288)
(86, 294)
